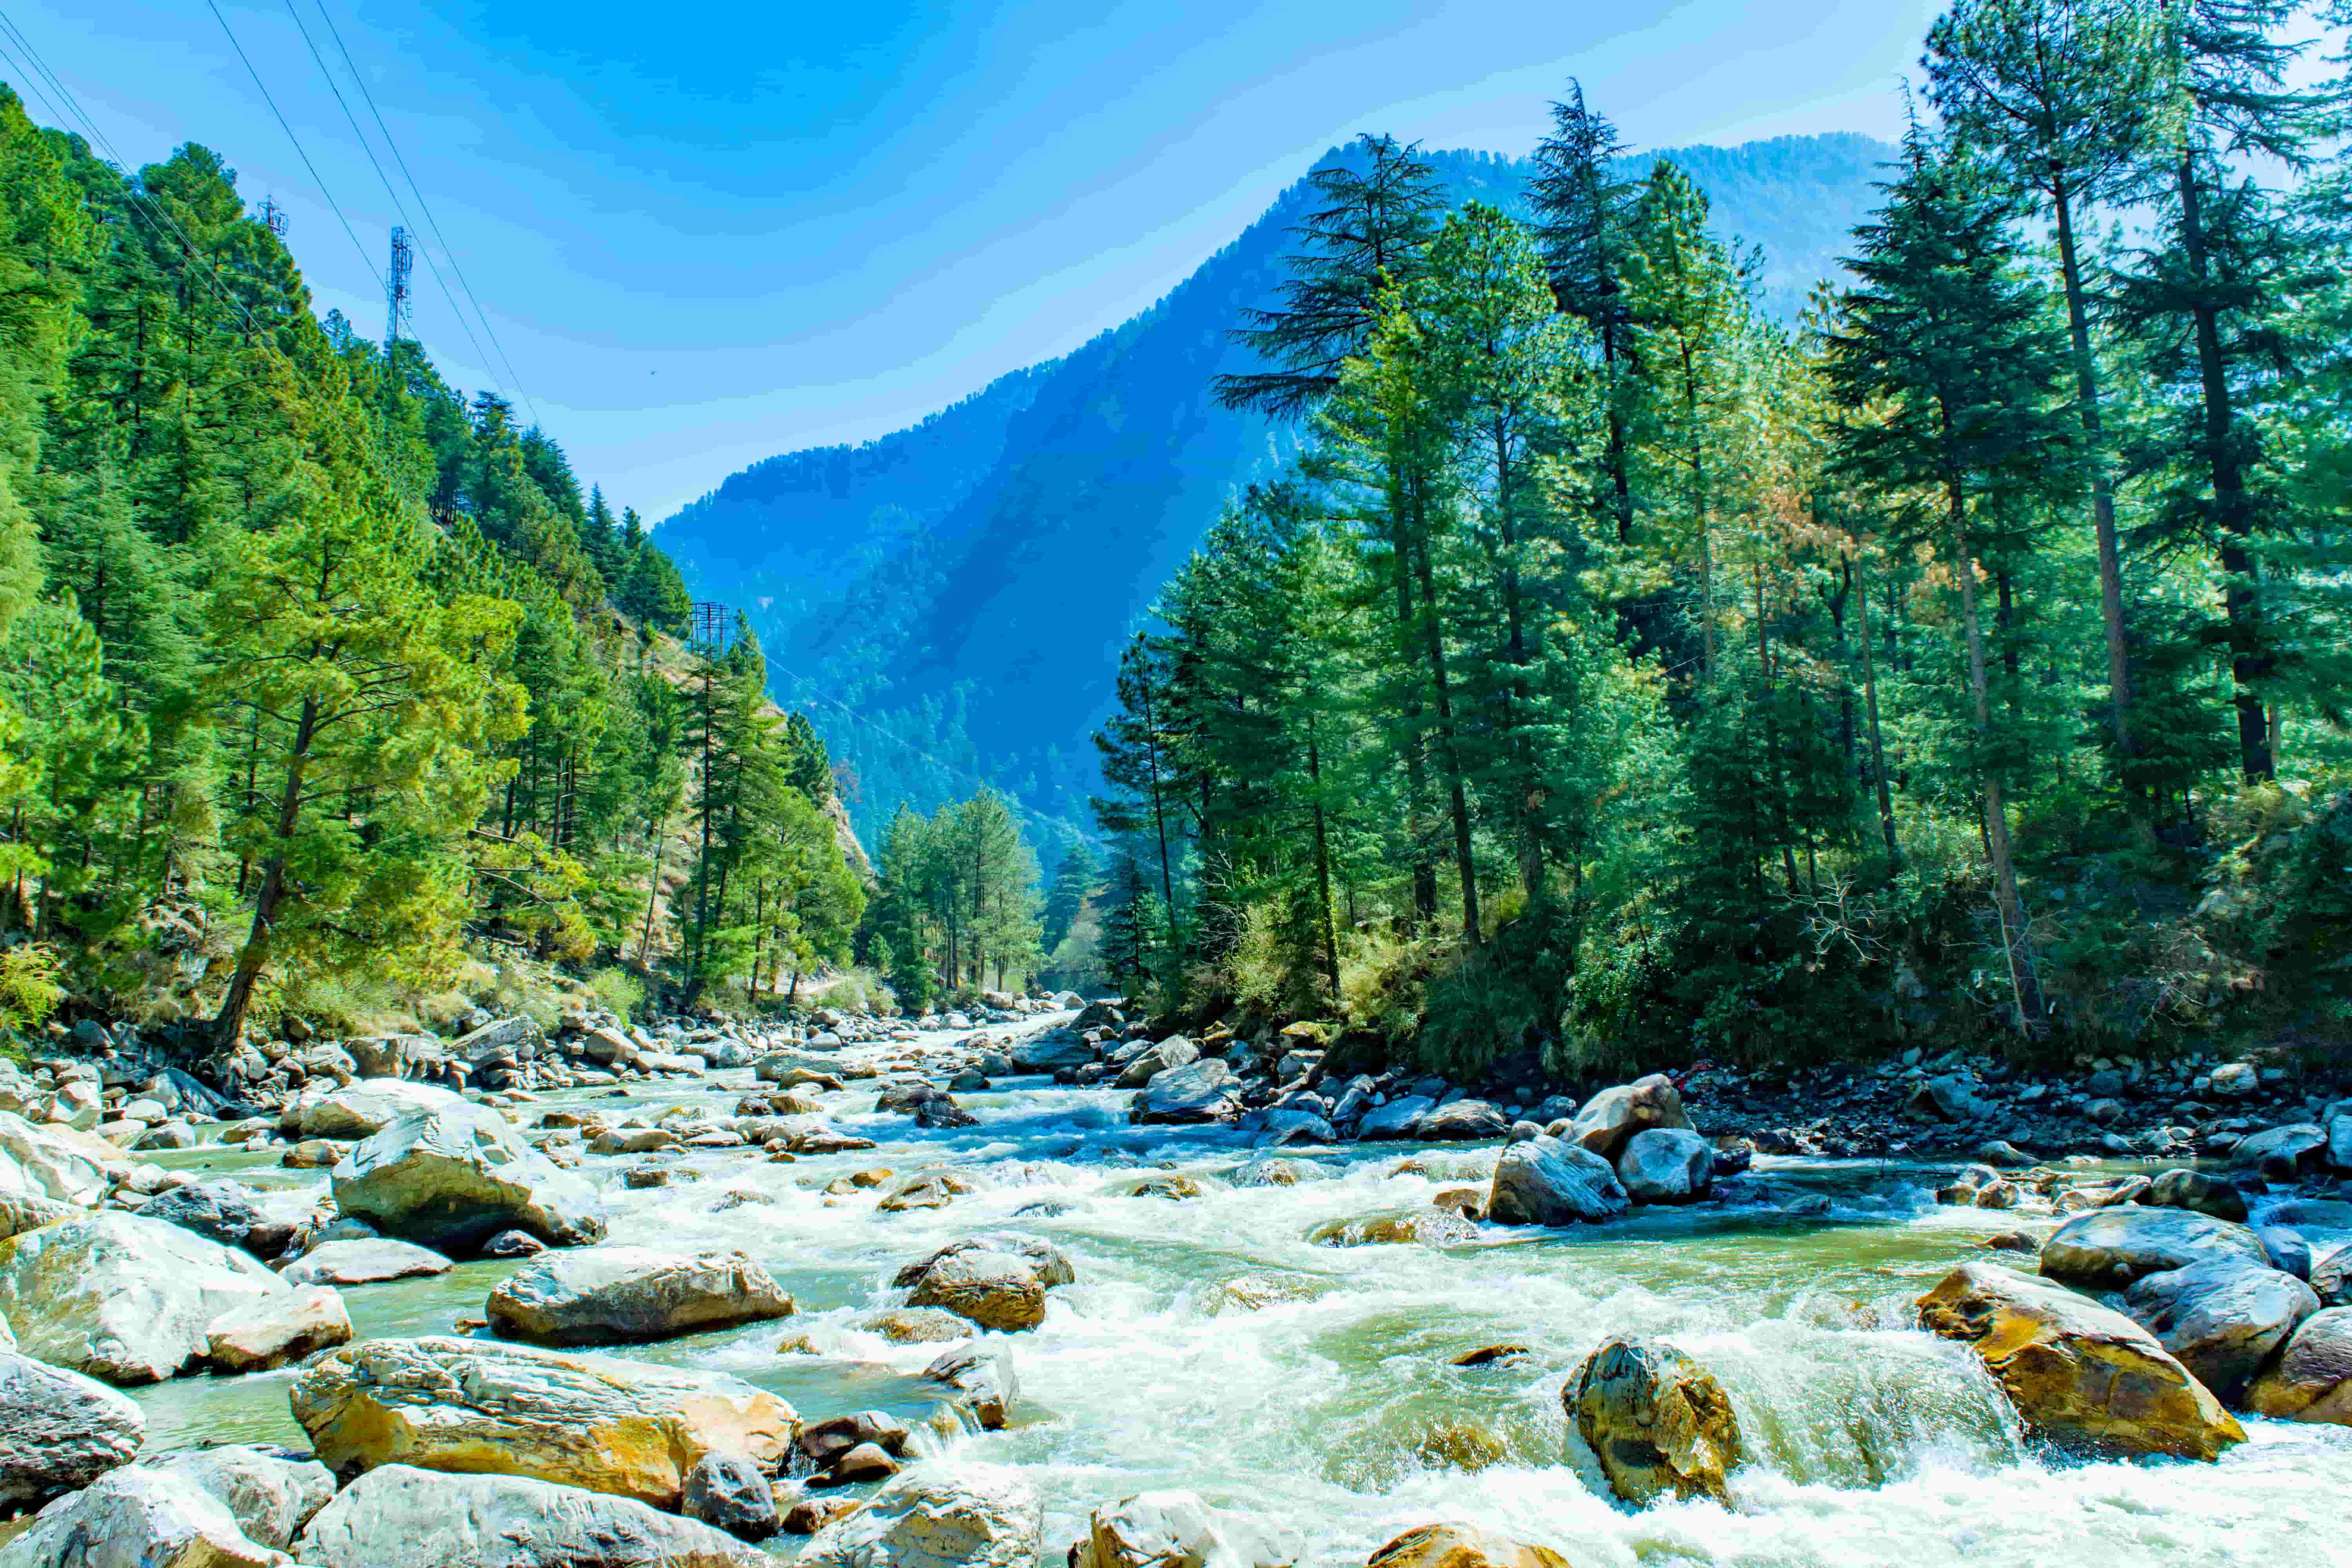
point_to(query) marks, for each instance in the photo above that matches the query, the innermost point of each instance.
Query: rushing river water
(1331, 1404)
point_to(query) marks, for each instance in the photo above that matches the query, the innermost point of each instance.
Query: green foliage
(30, 985)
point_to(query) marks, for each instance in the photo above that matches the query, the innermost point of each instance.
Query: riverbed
(1209, 1345)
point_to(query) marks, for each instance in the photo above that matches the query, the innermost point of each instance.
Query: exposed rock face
(2311, 1378)
(727, 1491)
(995, 1289)
(1177, 1530)
(1462, 1546)
(21, 1212)
(1610, 1119)
(271, 1497)
(1203, 1091)
(1549, 1181)
(219, 1210)
(367, 1262)
(1657, 1421)
(420, 1519)
(2079, 1375)
(451, 1179)
(122, 1296)
(1173, 1052)
(59, 1431)
(2109, 1248)
(610, 1295)
(278, 1329)
(1666, 1165)
(139, 1517)
(930, 1517)
(482, 1405)
(362, 1110)
(43, 1162)
(2223, 1318)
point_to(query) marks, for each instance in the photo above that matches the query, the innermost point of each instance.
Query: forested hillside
(1626, 672)
(317, 669)
(964, 586)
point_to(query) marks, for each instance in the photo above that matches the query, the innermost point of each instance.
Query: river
(1331, 1404)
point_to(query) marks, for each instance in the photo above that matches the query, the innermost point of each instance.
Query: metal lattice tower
(712, 623)
(396, 287)
(273, 216)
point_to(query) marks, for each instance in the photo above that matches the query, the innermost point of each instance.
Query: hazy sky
(706, 234)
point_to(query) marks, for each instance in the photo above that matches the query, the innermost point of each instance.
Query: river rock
(21, 1212)
(1053, 1265)
(1657, 1421)
(453, 1178)
(1463, 1120)
(2223, 1318)
(122, 1296)
(1177, 1530)
(1462, 1546)
(625, 1428)
(269, 1495)
(1204, 1090)
(59, 1431)
(727, 1491)
(610, 1295)
(1666, 1165)
(364, 1109)
(394, 1056)
(2313, 1214)
(1610, 1119)
(278, 1329)
(369, 1261)
(399, 1517)
(995, 1289)
(2311, 1378)
(2200, 1193)
(932, 1516)
(1052, 1056)
(1400, 1118)
(137, 1517)
(1176, 1052)
(1427, 1226)
(2339, 1141)
(1550, 1181)
(218, 1210)
(2080, 1374)
(50, 1162)
(824, 1442)
(2282, 1154)
(978, 1381)
(2110, 1247)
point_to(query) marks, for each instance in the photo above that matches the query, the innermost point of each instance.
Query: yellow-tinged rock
(484, 1407)
(2080, 1374)
(1658, 1422)
(1462, 1546)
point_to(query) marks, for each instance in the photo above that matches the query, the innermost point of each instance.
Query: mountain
(948, 602)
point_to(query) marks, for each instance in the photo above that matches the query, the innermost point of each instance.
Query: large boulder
(1175, 1051)
(2080, 1374)
(729, 1492)
(512, 1039)
(269, 1495)
(1462, 1546)
(21, 1212)
(1610, 1119)
(1053, 1265)
(451, 1179)
(1666, 1165)
(1549, 1181)
(2223, 1318)
(1424, 1226)
(610, 1295)
(978, 1383)
(122, 1296)
(218, 1210)
(59, 1431)
(1052, 1055)
(2197, 1191)
(364, 1109)
(394, 1056)
(1177, 1530)
(1462, 1121)
(1657, 1421)
(2110, 1247)
(278, 1329)
(932, 1516)
(1400, 1118)
(483, 1405)
(422, 1519)
(995, 1289)
(1204, 1090)
(52, 1163)
(2311, 1378)
(2282, 1154)
(138, 1517)
(365, 1260)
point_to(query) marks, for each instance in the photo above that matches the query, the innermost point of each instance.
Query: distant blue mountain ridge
(948, 603)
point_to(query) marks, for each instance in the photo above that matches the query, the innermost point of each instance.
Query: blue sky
(706, 234)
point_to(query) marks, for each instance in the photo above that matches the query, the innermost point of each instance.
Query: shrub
(617, 991)
(29, 988)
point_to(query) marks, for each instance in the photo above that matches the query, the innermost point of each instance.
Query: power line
(426, 208)
(368, 149)
(298, 149)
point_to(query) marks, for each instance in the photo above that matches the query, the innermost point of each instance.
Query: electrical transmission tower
(273, 216)
(396, 287)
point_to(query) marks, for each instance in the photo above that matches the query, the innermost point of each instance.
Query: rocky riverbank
(655, 1366)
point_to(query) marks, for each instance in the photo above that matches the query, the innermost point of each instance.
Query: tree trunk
(1996, 814)
(230, 1022)
(1870, 711)
(1322, 861)
(1436, 642)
